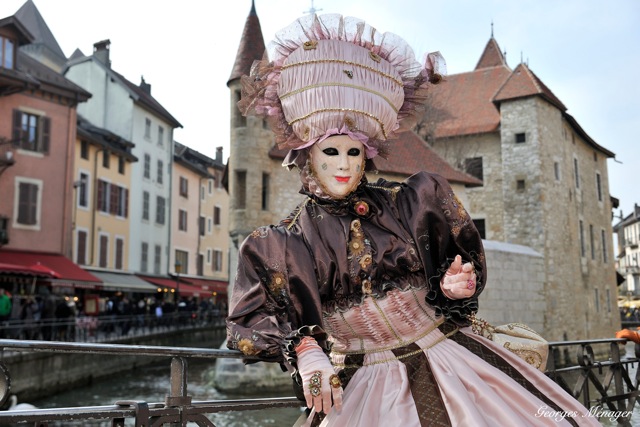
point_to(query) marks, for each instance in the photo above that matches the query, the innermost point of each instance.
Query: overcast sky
(585, 51)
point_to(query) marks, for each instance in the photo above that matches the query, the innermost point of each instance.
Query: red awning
(186, 289)
(63, 271)
(38, 270)
(209, 285)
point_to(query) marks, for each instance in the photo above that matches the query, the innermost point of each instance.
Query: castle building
(545, 185)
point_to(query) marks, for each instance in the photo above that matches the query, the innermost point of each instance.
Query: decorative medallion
(375, 56)
(361, 208)
(310, 45)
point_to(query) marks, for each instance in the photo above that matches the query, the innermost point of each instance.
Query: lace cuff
(292, 340)
(455, 310)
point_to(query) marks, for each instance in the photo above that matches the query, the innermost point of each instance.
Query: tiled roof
(491, 57)
(409, 154)
(29, 15)
(147, 100)
(251, 46)
(523, 83)
(462, 103)
(105, 138)
(50, 80)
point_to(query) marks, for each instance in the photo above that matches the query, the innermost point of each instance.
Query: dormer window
(7, 49)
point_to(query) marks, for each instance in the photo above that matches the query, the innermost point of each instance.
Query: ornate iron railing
(603, 384)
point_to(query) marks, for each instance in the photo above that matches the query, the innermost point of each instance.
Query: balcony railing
(602, 384)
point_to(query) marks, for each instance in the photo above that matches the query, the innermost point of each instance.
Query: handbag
(517, 338)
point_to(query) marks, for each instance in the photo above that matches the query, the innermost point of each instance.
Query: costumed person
(365, 292)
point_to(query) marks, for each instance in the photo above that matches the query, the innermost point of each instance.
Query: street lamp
(6, 154)
(178, 268)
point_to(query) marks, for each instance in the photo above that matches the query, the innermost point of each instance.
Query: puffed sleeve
(442, 229)
(275, 299)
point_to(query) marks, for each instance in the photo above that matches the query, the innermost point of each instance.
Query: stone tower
(249, 168)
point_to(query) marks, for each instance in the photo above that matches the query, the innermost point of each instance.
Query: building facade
(101, 202)
(628, 255)
(129, 111)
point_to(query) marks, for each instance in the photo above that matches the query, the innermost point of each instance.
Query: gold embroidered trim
(386, 321)
(374, 56)
(394, 191)
(392, 347)
(352, 86)
(402, 356)
(343, 61)
(297, 215)
(351, 110)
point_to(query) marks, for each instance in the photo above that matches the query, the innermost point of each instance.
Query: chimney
(219, 155)
(146, 87)
(101, 52)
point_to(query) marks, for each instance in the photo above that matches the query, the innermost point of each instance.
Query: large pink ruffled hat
(327, 74)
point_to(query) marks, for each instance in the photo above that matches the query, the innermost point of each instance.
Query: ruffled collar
(356, 203)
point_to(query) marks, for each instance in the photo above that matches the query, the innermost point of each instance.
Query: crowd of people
(62, 318)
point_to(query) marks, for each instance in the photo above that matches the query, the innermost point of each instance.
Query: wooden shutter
(113, 199)
(100, 195)
(104, 250)
(46, 132)
(17, 127)
(119, 253)
(81, 249)
(126, 202)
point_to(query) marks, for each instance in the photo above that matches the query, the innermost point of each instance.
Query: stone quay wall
(34, 375)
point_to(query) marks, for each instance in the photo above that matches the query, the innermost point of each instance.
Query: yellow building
(101, 200)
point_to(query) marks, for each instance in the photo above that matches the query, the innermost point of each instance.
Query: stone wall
(36, 375)
(515, 286)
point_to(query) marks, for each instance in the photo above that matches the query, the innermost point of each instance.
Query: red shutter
(46, 132)
(17, 127)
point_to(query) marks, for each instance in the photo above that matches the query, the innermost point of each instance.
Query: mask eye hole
(330, 151)
(354, 152)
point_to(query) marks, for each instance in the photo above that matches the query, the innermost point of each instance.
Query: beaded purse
(517, 338)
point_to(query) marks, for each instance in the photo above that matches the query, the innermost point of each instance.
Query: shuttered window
(81, 247)
(31, 132)
(119, 254)
(28, 203)
(104, 251)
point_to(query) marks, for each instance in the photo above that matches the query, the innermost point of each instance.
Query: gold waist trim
(394, 346)
(402, 356)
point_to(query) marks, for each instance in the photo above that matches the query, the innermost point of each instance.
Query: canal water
(152, 384)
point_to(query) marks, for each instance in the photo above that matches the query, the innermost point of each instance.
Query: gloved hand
(319, 381)
(459, 281)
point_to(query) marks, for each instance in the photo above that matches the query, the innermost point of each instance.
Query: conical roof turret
(251, 46)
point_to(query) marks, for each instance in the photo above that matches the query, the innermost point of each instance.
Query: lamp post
(178, 268)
